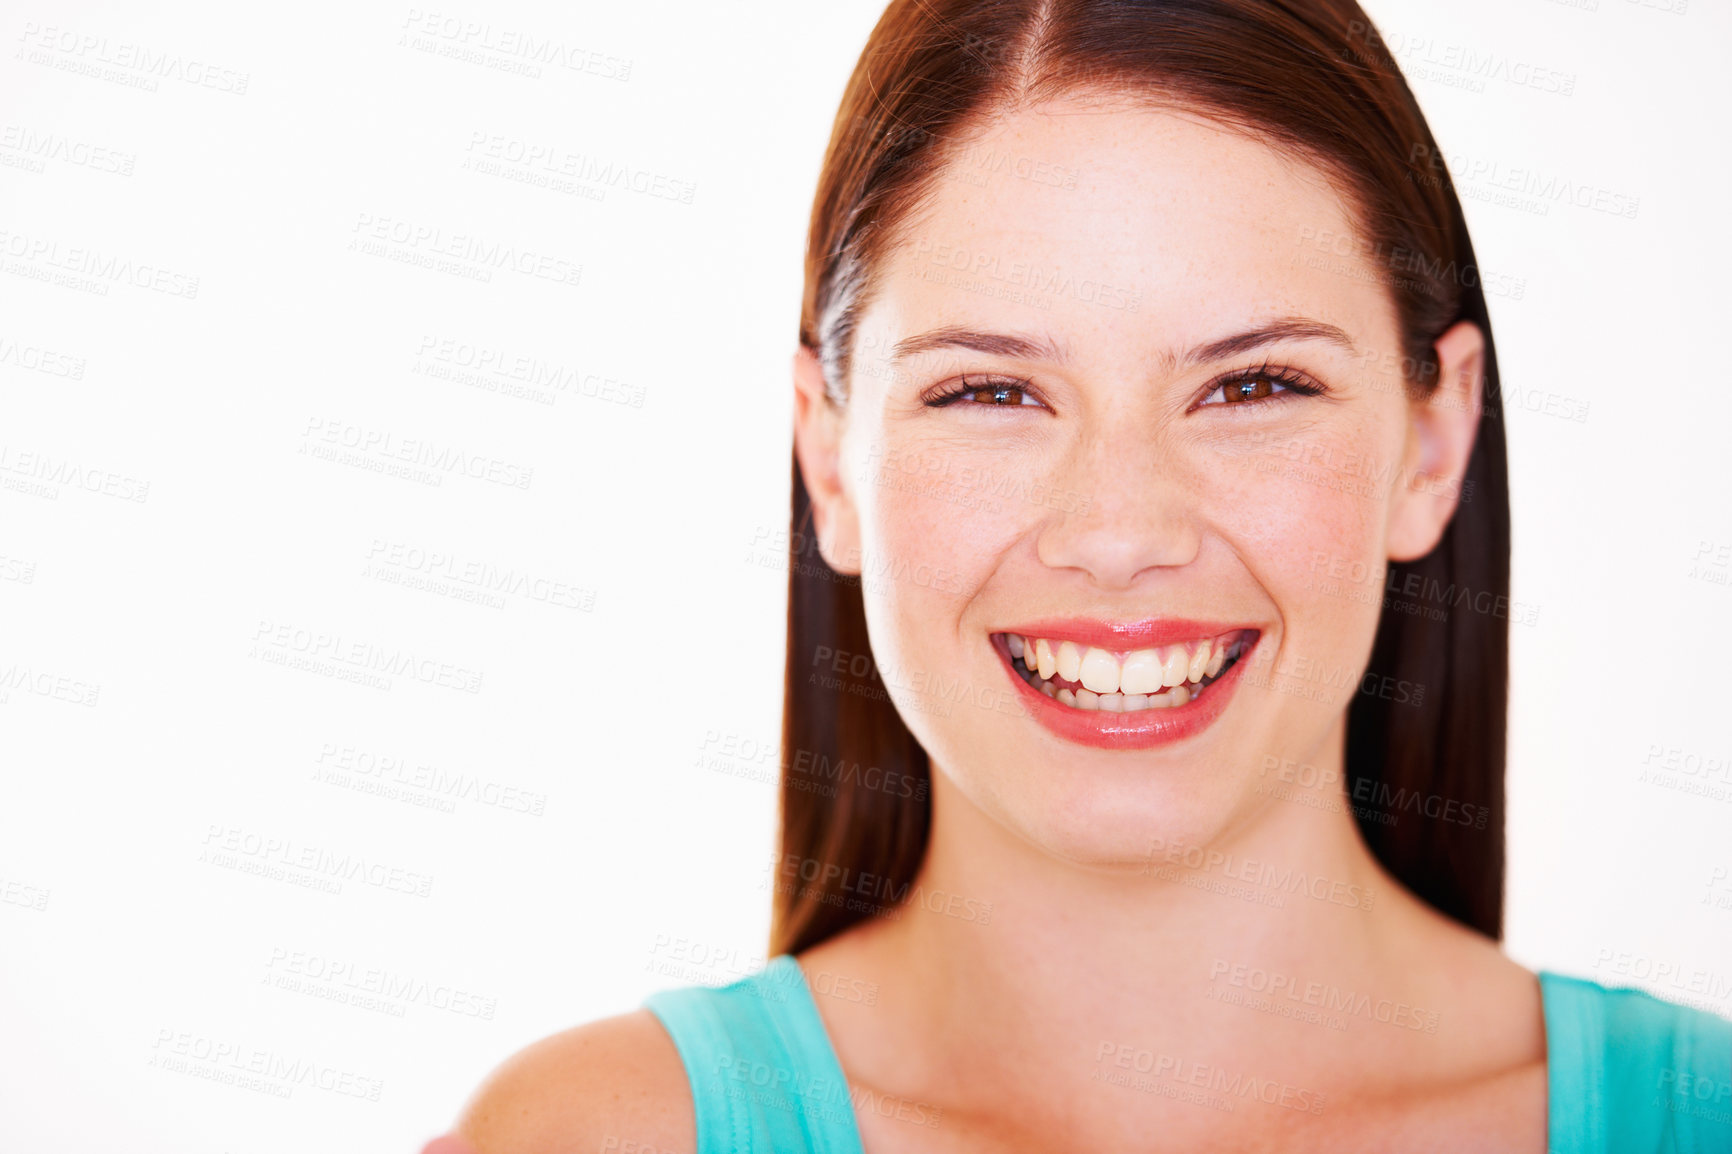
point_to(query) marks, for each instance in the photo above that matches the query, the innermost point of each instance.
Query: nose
(1132, 507)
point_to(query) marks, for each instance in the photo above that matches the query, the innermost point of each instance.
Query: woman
(1142, 369)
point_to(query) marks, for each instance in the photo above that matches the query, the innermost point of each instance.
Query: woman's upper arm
(616, 1086)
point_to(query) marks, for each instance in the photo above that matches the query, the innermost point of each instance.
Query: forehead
(1154, 226)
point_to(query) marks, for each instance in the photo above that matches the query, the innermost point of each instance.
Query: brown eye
(1258, 386)
(990, 394)
(999, 394)
(1253, 388)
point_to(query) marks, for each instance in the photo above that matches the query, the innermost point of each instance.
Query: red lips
(1123, 636)
(1144, 729)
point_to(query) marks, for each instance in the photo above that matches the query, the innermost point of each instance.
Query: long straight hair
(1308, 76)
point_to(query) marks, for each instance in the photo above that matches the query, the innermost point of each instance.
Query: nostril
(1115, 541)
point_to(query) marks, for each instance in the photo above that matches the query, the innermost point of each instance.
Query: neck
(1046, 956)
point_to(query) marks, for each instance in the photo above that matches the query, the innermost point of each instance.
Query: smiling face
(1124, 454)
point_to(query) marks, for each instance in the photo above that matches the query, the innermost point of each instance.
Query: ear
(818, 423)
(1440, 437)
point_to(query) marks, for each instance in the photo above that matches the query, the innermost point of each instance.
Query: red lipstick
(1123, 636)
(1143, 729)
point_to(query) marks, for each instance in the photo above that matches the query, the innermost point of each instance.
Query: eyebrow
(1285, 329)
(1045, 349)
(995, 344)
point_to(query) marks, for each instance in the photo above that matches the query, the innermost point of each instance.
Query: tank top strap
(763, 1074)
(1628, 1071)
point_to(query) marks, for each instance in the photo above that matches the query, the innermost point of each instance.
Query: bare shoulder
(1489, 1007)
(616, 1084)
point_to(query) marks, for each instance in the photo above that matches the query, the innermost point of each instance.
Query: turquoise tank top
(1627, 1072)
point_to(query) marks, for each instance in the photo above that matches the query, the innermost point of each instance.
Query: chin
(1112, 821)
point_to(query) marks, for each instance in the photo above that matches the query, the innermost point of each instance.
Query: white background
(147, 722)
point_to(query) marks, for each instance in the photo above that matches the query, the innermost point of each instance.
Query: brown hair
(1310, 77)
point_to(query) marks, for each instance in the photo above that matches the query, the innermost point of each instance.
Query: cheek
(1310, 521)
(935, 524)
(1307, 516)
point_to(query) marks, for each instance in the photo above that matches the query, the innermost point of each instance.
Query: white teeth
(1199, 663)
(1142, 672)
(1099, 671)
(1157, 678)
(1176, 666)
(1043, 659)
(1216, 660)
(1069, 658)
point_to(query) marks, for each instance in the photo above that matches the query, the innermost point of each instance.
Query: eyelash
(964, 387)
(1292, 383)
